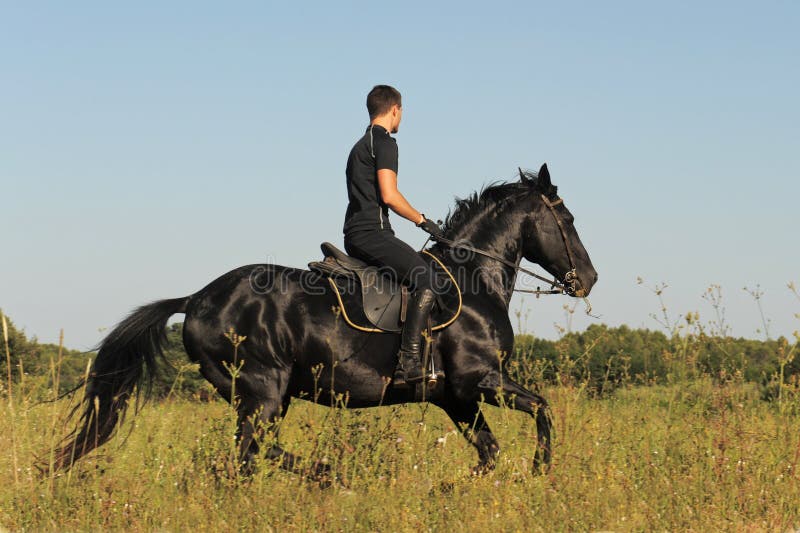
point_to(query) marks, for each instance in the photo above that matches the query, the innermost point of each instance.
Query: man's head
(385, 107)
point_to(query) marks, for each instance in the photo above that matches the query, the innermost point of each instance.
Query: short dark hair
(381, 99)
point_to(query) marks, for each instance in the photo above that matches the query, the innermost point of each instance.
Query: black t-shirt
(374, 151)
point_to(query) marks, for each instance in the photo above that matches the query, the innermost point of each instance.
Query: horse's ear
(523, 177)
(544, 177)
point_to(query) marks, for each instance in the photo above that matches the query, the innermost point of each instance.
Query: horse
(264, 334)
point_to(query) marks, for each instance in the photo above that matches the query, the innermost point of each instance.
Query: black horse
(260, 348)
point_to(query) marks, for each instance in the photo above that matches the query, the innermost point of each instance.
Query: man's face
(397, 116)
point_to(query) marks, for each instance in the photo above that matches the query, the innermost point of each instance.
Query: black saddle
(383, 299)
(350, 265)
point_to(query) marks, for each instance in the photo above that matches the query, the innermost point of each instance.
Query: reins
(552, 282)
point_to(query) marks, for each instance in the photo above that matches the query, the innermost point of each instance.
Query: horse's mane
(494, 195)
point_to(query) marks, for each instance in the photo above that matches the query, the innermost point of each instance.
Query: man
(368, 235)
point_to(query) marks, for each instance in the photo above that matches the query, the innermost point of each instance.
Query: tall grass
(696, 452)
(700, 455)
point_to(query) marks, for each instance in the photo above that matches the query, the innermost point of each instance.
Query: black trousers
(382, 249)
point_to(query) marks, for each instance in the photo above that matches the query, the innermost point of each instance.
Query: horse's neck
(500, 234)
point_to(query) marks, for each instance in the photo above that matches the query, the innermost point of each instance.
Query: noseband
(570, 285)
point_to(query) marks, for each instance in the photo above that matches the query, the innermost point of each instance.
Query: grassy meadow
(664, 432)
(698, 456)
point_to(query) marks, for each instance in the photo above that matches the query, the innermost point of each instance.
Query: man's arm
(387, 182)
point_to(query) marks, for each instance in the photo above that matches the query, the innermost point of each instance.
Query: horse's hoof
(446, 487)
(324, 482)
(482, 469)
(322, 474)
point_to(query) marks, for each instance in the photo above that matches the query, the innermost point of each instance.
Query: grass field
(697, 455)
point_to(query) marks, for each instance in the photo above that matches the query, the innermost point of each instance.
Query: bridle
(571, 284)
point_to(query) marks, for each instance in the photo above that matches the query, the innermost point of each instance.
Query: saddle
(373, 301)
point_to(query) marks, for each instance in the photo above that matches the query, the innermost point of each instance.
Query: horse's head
(551, 240)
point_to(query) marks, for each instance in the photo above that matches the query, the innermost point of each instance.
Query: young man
(372, 191)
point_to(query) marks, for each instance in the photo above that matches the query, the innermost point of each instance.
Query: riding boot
(409, 367)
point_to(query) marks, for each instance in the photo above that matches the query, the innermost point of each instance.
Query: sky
(147, 148)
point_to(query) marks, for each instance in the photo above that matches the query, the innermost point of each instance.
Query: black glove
(431, 227)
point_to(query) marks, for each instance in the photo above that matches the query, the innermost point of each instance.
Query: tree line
(601, 358)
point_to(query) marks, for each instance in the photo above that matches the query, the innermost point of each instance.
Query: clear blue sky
(146, 148)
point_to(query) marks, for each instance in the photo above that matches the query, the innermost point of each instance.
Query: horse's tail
(125, 362)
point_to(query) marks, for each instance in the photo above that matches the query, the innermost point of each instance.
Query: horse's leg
(468, 417)
(256, 418)
(499, 389)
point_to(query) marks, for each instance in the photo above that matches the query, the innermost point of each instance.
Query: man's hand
(431, 227)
